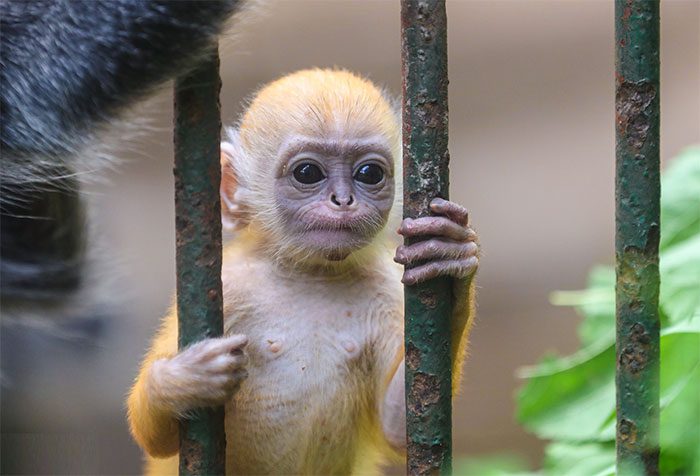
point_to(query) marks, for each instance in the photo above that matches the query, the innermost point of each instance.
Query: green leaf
(571, 399)
(596, 304)
(491, 465)
(680, 284)
(680, 399)
(562, 459)
(680, 198)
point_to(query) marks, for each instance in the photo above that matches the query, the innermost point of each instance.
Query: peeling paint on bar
(637, 235)
(198, 223)
(428, 307)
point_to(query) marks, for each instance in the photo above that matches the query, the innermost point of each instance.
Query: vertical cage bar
(198, 223)
(428, 306)
(637, 192)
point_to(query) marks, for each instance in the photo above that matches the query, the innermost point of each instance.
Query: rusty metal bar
(428, 306)
(198, 223)
(637, 192)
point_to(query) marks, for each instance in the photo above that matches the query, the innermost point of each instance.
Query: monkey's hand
(450, 247)
(204, 374)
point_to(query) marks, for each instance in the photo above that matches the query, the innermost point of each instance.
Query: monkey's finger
(214, 391)
(229, 384)
(455, 268)
(433, 226)
(212, 348)
(237, 377)
(434, 249)
(453, 211)
(226, 363)
(235, 343)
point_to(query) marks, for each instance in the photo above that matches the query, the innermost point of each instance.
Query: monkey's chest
(308, 376)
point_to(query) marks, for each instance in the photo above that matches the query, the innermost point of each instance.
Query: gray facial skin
(337, 212)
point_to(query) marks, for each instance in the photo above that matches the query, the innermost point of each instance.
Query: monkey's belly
(295, 419)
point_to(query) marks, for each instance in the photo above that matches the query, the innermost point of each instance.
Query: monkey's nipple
(274, 346)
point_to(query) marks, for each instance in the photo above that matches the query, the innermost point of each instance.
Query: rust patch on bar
(428, 458)
(632, 112)
(633, 263)
(425, 391)
(650, 458)
(653, 236)
(627, 433)
(428, 298)
(213, 294)
(634, 356)
(627, 13)
(413, 357)
(191, 455)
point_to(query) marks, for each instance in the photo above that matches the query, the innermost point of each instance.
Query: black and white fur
(68, 68)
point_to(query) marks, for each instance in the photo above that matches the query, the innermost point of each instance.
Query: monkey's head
(312, 166)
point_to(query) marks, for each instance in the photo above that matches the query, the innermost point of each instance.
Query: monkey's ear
(232, 209)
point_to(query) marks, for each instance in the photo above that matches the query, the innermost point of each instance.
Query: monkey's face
(334, 195)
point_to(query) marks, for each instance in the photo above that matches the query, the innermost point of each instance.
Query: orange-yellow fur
(313, 405)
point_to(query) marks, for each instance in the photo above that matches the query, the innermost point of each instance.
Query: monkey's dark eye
(370, 174)
(308, 173)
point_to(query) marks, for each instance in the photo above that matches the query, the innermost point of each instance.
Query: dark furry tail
(66, 68)
(68, 65)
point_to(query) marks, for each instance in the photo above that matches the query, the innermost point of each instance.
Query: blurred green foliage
(571, 400)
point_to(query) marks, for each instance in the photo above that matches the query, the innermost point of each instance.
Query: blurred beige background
(532, 144)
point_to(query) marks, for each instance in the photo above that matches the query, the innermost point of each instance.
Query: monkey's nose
(342, 201)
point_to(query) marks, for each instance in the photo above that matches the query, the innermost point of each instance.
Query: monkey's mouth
(359, 224)
(336, 227)
(335, 243)
(336, 236)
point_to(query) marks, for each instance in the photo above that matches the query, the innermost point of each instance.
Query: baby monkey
(310, 368)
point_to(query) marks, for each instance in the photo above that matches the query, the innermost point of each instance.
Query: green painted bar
(637, 192)
(428, 307)
(198, 223)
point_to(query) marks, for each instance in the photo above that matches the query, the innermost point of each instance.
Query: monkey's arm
(462, 320)
(393, 409)
(171, 383)
(393, 412)
(69, 65)
(449, 250)
(155, 429)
